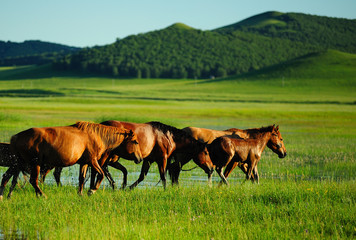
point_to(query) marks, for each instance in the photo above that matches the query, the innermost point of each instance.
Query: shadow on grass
(29, 93)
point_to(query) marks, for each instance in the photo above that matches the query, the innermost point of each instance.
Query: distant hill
(32, 52)
(180, 51)
(330, 64)
(327, 32)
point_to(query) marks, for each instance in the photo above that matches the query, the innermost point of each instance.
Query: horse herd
(38, 150)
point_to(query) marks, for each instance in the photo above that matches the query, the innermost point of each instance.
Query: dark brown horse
(157, 142)
(83, 143)
(246, 152)
(8, 159)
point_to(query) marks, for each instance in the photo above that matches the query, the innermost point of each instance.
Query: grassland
(309, 194)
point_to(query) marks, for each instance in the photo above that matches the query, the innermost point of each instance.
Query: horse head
(276, 144)
(132, 146)
(202, 157)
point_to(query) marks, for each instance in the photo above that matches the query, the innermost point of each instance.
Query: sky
(87, 23)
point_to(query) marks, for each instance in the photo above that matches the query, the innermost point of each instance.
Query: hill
(331, 33)
(326, 65)
(180, 51)
(31, 52)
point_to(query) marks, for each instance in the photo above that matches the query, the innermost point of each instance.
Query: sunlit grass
(308, 194)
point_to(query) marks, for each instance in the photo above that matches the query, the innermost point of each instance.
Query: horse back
(58, 146)
(203, 134)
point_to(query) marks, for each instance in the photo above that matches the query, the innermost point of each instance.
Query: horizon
(83, 24)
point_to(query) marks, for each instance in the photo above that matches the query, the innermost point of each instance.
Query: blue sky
(85, 23)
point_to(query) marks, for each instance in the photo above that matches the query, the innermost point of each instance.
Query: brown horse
(208, 136)
(226, 149)
(83, 143)
(157, 142)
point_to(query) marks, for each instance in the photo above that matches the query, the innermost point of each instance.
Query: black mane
(178, 134)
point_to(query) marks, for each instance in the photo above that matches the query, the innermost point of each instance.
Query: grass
(309, 194)
(274, 209)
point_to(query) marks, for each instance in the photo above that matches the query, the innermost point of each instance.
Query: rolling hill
(32, 52)
(180, 51)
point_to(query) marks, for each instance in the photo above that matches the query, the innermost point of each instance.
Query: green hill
(31, 52)
(330, 64)
(326, 32)
(180, 51)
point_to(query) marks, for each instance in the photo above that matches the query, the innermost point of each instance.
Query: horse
(157, 142)
(226, 149)
(207, 136)
(8, 159)
(83, 143)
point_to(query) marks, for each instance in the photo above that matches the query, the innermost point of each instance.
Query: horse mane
(108, 134)
(253, 131)
(178, 134)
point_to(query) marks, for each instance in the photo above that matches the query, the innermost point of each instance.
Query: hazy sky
(85, 23)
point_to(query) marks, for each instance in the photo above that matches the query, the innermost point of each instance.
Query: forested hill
(180, 51)
(31, 52)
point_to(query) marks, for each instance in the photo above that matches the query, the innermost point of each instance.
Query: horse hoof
(1, 198)
(91, 192)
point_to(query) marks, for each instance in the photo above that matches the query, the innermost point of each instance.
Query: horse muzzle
(138, 159)
(282, 155)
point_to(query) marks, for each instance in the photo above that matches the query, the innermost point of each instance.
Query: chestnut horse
(157, 142)
(83, 143)
(226, 149)
(207, 136)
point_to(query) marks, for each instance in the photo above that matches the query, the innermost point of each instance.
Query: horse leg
(250, 169)
(219, 170)
(57, 175)
(174, 171)
(108, 176)
(96, 167)
(120, 167)
(5, 178)
(144, 170)
(82, 173)
(162, 171)
(44, 173)
(175, 168)
(228, 170)
(255, 175)
(13, 183)
(35, 172)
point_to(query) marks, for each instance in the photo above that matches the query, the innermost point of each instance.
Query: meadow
(309, 194)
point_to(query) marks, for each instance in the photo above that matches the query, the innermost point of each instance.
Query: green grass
(309, 194)
(274, 209)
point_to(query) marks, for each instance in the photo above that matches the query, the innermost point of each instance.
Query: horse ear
(277, 128)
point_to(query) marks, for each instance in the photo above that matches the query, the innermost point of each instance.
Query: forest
(180, 51)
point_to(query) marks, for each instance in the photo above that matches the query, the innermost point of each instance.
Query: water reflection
(12, 234)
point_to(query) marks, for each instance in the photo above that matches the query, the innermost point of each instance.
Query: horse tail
(158, 183)
(187, 170)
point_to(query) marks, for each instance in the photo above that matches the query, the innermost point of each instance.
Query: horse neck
(263, 139)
